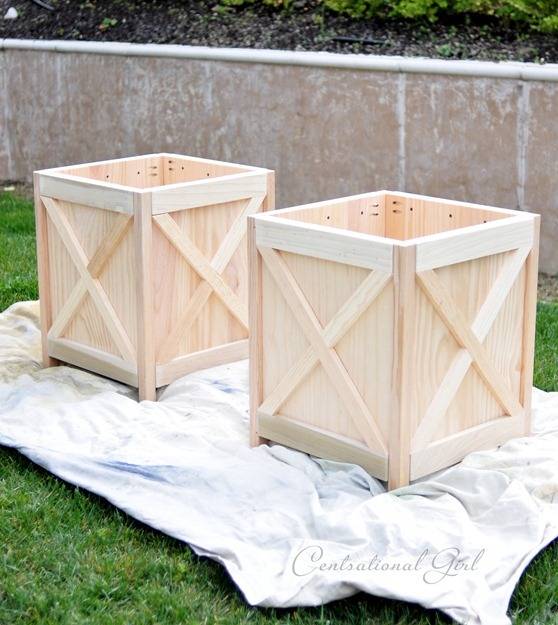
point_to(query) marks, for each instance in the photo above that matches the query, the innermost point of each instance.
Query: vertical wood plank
(43, 270)
(399, 442)
(269, 201)
(256, 329)
(144, 294)
(529, 324)
(255, 319)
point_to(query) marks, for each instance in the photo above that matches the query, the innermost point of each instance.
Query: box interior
(393, 215)
(153, 171)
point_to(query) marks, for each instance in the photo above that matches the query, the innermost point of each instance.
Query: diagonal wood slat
(95, 267)
(109, 244)
(200, 296)
(332, 364)
(90, 283)
(69, 310)
(482, 324)
(333, 332)
(456, 323)
(201, 266)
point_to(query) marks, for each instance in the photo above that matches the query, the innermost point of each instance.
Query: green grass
(70, 558)
(18, 275)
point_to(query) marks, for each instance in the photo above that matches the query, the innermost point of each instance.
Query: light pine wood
(255, 316)
(457, 325)
(147, 294)
(318, 442)
(177, 197)
(92, 284)
(481, 326)
(83, 191)
(202, 267)
(403, 367)
(145, 297)
(332, 364)
(473, 242)
(394, 325)
(181, 366)
(43, 271)
(325, 242)
(334, 331)
(94, 268)
(529, 326)
(94, 360)
(447, 451)
(256, 329)
(214, 269)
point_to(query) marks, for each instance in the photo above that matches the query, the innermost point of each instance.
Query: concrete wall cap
(486, 69)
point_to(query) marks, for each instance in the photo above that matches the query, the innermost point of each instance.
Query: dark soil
(307, 26)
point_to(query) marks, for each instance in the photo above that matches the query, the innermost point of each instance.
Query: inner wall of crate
(394, 216)
(152, 171)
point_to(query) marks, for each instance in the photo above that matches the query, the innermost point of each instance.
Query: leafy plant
(278, 4)
(539, 14)
(542, 14)
(108, 22)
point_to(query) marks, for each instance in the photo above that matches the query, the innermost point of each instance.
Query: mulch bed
(307, 26)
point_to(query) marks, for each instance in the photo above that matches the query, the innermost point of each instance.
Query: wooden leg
(146, 391)
(399, 467)
(145, 300)
(529, 323)
(255, 349)
(43, 273)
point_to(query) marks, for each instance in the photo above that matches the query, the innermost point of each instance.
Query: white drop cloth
(272, 516)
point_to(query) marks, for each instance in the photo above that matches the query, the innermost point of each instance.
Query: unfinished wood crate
(392, 330)
(143, 264)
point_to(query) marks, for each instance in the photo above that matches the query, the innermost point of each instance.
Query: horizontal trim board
(464, 244)
(93, 359)
(452, 449)
(185, 195)
(457, 203)
(481, 69)
(281, 212)
(110, 161)
(82, 191)
(212, 357)
(201, 159)
(334, 244)
(139, 157)
(320, 443)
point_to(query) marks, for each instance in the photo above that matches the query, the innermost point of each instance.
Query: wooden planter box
(142, 264)
(392, 330)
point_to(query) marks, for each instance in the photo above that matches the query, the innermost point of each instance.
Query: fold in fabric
(291, 530)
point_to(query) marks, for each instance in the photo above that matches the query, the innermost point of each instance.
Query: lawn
(69, 557)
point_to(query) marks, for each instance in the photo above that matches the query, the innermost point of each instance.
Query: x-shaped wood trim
(322, 342)
(471, 339)
(89, 271)
(209, 271)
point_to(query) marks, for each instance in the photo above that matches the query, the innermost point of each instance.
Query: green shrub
(416, 9)
(280, 4)
(539, 14)
(358, 8)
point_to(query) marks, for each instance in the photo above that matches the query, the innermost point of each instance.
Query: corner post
(269, 201)
(255, 319)
(399, 443)
(529, 325)
(43, 269)
(144, 296)
(256, 329)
